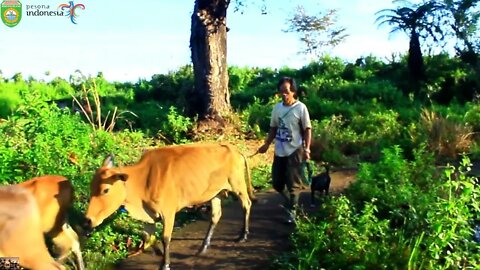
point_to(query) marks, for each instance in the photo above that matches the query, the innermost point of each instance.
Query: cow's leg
(216, 214)
(168, 222)
(75, 245)
(150, 239)
(246, 205)
(66, 240)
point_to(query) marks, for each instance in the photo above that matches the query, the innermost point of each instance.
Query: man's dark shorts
(287, 172)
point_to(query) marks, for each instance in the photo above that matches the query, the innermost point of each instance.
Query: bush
(8, 103)
(42, 139)
(472, 117)
(333, 141)
(258, 114)
(445, 138)
(398, 214)
(261, 176)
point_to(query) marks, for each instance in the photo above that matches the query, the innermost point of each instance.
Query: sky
(128, 41)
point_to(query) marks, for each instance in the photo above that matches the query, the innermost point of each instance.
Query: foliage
(444, 136)
(9, 100)
(398, 214)
(257, 114)
(397, 209)
(261, 177)
(94, 113)
(413, 19)
(472, 117)
(317, 32)
(176, 126)
(39, 138)
(459, 19)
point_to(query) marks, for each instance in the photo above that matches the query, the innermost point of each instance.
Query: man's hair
(293, 85)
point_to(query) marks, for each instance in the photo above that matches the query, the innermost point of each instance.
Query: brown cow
(21, 232)
(54, 195)
(167, 179)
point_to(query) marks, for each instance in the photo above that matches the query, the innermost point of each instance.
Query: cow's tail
(249, 180)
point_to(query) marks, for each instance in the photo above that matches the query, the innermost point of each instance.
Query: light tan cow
(167, 179)
(21, 232)
(54, 195)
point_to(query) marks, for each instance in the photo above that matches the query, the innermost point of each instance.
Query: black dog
(320, 183)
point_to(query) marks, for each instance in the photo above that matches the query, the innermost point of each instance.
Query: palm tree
(413, 20)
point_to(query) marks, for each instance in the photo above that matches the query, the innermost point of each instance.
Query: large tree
(210, 99)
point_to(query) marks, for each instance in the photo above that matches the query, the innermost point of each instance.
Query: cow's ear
(122, 176)
(105, 174)
(119, 175)
(108, 162)
(114, 173)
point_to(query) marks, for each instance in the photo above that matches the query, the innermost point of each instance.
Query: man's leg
(279, 181)
(279, 175)
(294, 180)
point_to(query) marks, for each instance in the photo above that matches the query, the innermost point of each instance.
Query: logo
(71, 9)
(11, 12)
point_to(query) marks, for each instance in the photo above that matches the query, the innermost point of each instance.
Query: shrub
(8, 103)
(398, 214)
(261, 177)
(445, 137)
(332, 140)
(40, 138)
(472, 117)
(258, 114)
(176, 126)
(375, 125)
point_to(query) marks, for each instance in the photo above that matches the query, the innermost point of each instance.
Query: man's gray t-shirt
(289, 121)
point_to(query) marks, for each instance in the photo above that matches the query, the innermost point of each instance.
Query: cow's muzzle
(87, 227)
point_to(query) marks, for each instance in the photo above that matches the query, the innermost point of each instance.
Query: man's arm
(271, 136)
(307, 132)
(307, 137)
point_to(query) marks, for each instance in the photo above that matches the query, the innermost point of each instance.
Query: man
(290, 127)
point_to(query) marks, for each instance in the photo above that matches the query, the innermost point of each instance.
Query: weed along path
(268, 236)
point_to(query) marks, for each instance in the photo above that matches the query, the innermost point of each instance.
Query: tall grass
(93, 114)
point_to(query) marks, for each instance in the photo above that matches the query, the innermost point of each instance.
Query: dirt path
(268, 236)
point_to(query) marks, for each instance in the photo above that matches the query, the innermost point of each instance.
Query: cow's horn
(108, 162)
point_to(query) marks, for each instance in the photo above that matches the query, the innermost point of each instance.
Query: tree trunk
(416, 66)
(210, 99)
(415, 58)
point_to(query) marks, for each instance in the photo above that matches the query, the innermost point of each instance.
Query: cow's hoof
(158, 251)
(242, 239)
(166, 267)
(203, 249)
